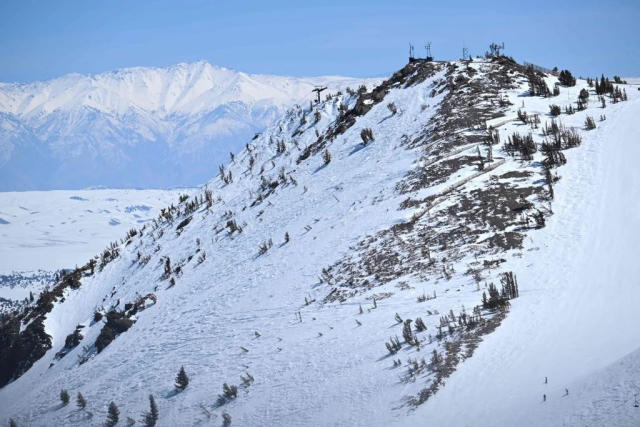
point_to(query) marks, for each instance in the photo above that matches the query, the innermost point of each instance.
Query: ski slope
(217, 306)
(252, 301)
(576, 320)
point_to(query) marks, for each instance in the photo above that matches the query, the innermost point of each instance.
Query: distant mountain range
(139, 127)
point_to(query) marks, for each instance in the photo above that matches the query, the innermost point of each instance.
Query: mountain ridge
(139, 127)
(351, 260)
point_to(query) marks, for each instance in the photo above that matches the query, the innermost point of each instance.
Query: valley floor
(50, 230)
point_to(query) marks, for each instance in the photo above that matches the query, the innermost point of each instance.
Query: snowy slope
(576, 322)
(138, 127)
(412, 223)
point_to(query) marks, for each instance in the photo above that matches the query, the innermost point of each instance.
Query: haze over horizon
(41, 41)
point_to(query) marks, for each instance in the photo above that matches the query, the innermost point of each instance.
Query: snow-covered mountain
(427, 251)
(139, 127)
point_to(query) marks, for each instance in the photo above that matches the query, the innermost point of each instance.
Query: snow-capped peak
(126, 128)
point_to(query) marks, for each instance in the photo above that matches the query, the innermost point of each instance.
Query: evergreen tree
(326, 157)
(113, 415)
(151, 417)
(566, 78)
(584, 95)
(12, 423)
(182, 380)
(64, 396)
(167, 266)
(226, 419)
(80, 401)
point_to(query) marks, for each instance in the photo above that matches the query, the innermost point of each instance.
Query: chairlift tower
(317, 90)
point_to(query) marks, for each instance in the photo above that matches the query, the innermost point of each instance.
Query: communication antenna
(428, 49)
(410, 51)
(465, 52)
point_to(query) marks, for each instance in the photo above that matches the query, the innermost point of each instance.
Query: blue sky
(45, 39)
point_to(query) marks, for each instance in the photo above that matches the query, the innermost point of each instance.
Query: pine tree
(406, 332)
(481, 164)
(113, 415)
(151, 417)
(226, 419)
(80, 401)
(182, 380)
(167, 266)
(566, 78)
(584, 95)
(12, 423)
(64, 396)
(326, 157)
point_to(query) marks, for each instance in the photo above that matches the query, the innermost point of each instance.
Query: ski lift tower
(317, 90)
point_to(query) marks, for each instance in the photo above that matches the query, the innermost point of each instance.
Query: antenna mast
(428, 48)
